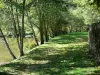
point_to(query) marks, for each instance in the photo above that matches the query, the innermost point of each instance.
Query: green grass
(62, 55)
(4, 53)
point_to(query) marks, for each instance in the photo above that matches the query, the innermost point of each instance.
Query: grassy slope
(63, 55)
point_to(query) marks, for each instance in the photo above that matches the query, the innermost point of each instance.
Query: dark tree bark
(14, 57)
(22, 30)
(18, 26)
(46, 33)
(40, 15)
(94, 41)
(52, 32)
(45, 28)
(41, 33)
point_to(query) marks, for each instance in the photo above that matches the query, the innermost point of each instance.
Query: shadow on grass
(58, 64)
(97, 72)
(71, 38)
(72, 60)
(4, 73)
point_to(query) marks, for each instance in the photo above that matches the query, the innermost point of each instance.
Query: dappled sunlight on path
(63, 55)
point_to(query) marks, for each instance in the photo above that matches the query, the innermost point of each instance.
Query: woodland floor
(62, 55)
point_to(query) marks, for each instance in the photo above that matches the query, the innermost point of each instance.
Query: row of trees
(19, 15)
(15, 25)
(50, 18)
(36, 16)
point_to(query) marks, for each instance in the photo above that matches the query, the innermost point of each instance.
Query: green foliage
(29, 43)
(63, 54)
(97, 2)
(2, 5)
(87, 11)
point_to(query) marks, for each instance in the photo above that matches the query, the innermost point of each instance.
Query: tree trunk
(46, 33)
(18, 26)
(40, 15)
(94, 41)
(22, 31)
(14, 57)
(37, 44)
(41, 34)
(15, 25)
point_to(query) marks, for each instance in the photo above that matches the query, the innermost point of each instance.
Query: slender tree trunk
(14, 57)
(41, 34)
(18, 26)
(46, 33)
(22, 31)
(70, 29)
(94, 41)
(52, 32)
(32, 29)
(45, 27)
(15, 26)
(40, 21)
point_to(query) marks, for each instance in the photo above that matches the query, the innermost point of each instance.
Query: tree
(14, 57)
(22, 30)
(40, 17)
(31, 26)
(94, 38)
(15, 25)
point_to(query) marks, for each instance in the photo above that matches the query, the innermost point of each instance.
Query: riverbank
(62, 55)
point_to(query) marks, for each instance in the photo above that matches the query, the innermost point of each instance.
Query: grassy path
(62, 55)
